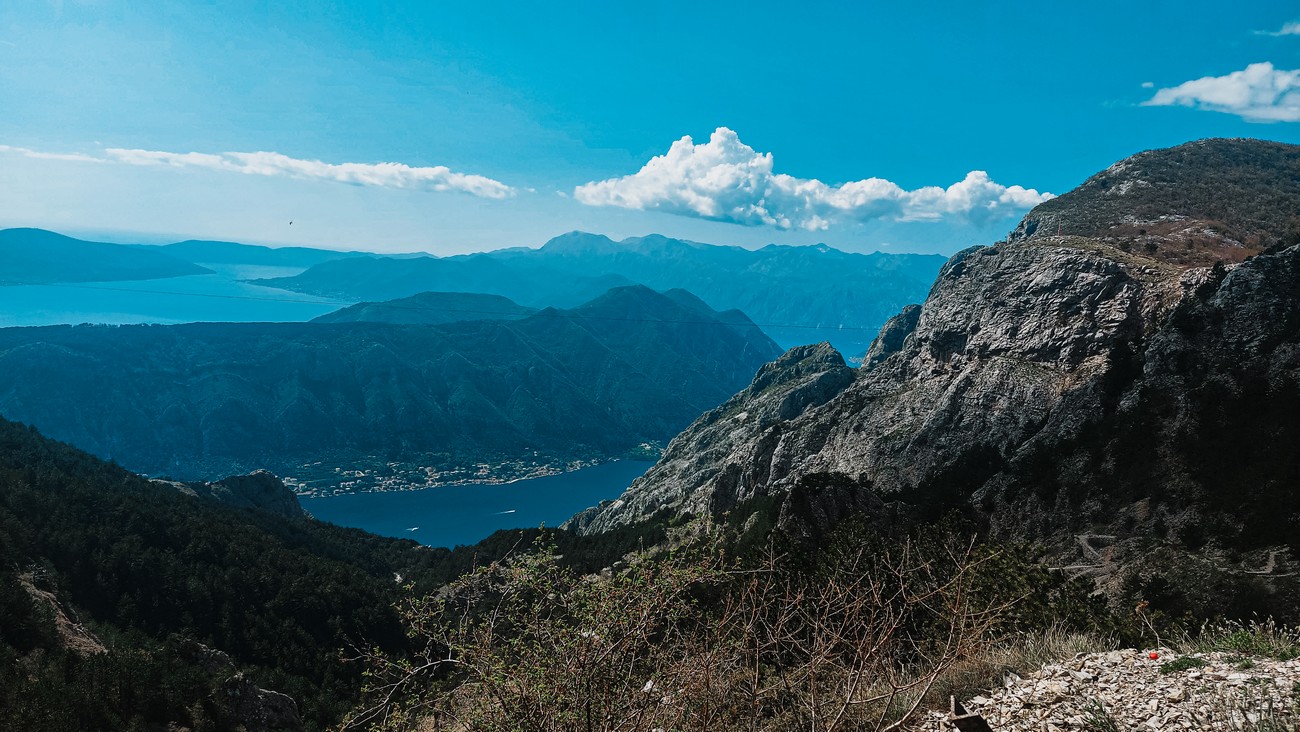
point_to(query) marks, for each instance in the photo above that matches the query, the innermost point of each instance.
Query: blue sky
(855, 123)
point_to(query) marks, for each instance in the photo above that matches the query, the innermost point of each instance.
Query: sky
(454, 127)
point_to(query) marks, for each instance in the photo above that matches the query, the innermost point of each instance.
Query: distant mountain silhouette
(825, 293)
(430, 308)
(36, 256)
(227, 252)
(204, 400)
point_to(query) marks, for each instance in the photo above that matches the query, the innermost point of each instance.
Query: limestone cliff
(1048, 386)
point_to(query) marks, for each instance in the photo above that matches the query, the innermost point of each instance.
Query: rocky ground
(1129, 690)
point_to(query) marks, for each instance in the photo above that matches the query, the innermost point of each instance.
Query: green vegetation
(857, 632)
(1259, 638)
(117, 593)
(1182, 663)
(1096, 718)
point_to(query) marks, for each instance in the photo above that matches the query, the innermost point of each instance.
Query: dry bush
(1020, 653)
(688, 642)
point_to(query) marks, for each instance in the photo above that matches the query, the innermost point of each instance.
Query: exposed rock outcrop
(240, 702)
(1130, 690)
(1006, 332)
(74, 636)
(1192, 205)
(260, 489)
(734, 435)
(1050, 386)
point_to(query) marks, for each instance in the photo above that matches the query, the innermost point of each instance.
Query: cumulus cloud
(1258, 93)
(384, 175)
(727, 180)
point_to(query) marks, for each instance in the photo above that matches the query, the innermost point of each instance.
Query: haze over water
(217, 297)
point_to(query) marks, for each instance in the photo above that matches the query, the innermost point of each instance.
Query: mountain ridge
(796, 294)
(36, 256)
(1049, 386)
(205, 400)
(430, 308)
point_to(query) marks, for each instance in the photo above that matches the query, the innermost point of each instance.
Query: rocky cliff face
(950, 387)
(260, 490)
(1050, 386)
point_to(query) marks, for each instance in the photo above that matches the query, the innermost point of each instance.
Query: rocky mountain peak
(1049, 385)
(1190, 205)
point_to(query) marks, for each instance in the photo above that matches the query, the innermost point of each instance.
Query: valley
(1089, 416)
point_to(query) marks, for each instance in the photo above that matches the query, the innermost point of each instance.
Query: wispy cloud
(1288, 29)
(383, 175)
(1257, 93)
(727, 180)
(37, 154)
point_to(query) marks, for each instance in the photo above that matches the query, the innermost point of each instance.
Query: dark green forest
(161, 579)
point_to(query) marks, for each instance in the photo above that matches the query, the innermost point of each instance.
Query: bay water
(465, 514)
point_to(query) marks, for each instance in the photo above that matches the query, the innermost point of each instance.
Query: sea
(218, 297)
(466, 514)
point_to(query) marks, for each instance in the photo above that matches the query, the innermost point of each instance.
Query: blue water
(218, 297)
(466, 514)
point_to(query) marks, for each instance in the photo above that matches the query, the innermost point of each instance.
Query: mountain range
(205, 400)
(796, 294)
(226, 252)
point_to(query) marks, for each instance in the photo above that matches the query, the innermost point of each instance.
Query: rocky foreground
(1129, 690)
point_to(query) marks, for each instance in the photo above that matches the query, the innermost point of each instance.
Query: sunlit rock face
(1048, 385)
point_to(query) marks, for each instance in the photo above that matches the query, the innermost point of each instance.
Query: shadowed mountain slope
(36, 256)
(201, 401)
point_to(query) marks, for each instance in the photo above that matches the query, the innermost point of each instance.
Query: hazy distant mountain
(227, 252)
(797, 294)
(204, 400)
(383, 278)
(430, 308)
(36, 256)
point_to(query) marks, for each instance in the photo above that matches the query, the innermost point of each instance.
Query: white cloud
(727, 180)
(1258, 93)
(1288, 29)
(384, 175)
(29, 153)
